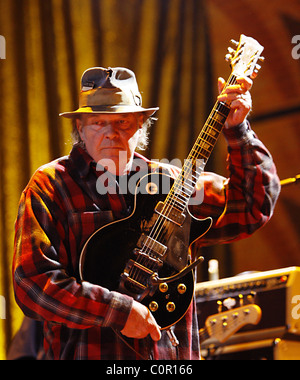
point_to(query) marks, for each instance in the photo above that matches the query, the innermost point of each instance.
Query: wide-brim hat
(109, 91)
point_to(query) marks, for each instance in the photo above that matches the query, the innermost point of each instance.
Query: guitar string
(168, 206)
(231, 321)
(198, 147)
(190, 174)
(171, 199)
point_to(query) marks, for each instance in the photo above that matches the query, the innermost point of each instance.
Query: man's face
(111, 139)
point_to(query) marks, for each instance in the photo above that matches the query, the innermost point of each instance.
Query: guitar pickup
(171, 213)
(147, 243)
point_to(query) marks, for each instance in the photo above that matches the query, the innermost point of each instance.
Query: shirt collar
(83, 162)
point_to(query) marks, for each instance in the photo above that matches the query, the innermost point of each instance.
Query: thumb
(155, 330)
(155, 333)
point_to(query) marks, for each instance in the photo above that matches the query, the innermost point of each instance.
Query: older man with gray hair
(60, 209)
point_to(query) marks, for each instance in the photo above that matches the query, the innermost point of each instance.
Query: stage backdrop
(176, 48)
(49, 43)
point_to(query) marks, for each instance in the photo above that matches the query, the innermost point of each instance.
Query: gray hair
(143, 140)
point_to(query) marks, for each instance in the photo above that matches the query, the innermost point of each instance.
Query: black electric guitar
(146, 255)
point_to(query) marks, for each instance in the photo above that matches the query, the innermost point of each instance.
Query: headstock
(223, 325)
(243, 60)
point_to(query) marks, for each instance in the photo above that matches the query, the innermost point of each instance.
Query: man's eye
(123, 123)
(97, 124)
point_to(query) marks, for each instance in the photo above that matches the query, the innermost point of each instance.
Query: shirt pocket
(81, 226)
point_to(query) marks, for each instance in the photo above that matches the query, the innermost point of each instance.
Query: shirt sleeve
(244, 202)
(43, 287)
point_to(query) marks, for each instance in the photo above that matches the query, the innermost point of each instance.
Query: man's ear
(141, 121)
(79, 126)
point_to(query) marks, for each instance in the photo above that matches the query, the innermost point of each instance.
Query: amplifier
(276, 292)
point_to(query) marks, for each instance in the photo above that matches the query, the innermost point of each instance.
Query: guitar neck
(194, 164)
(203, 334)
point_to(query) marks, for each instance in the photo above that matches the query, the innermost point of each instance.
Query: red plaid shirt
(60, 208)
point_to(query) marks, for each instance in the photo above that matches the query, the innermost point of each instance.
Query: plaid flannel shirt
(60, 208)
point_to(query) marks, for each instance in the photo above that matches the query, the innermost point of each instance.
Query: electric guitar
(223, 325)
(147, 255)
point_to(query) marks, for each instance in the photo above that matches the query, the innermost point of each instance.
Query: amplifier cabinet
(276, 292)
(269, 349)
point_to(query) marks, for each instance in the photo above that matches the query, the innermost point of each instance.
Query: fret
(203, 152)
(180, 201)
(212, 131)
(194, 165)
(191, 186)
(180, 204)
(205, 141)
(216, 119)
(176, 202)
(223, 108)
(183, 192)
(209, 138)
(181, 198)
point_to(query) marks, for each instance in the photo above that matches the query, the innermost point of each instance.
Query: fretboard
(185, 183)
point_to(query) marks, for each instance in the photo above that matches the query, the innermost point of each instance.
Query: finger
(245, 83)
(221, 84)
(242, 86)
(235, 88)
(230, 97)
(241, 104)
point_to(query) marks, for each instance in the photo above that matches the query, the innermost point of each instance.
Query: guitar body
(113, 246)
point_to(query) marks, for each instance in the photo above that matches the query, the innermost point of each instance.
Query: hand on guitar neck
(239, 97)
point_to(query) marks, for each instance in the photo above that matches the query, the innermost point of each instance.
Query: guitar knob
(163, 287)
(170, 307)
(153, 306)
(181, 288)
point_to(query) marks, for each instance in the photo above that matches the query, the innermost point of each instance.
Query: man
(60, 208)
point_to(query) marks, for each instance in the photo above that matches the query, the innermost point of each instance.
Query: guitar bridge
(136, 278)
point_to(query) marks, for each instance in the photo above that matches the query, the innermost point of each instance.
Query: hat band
(106, 97)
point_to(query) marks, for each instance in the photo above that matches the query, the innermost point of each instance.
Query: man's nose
(111, 132)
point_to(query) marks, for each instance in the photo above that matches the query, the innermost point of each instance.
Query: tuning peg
(220, 305)
(228, 57)
(241, 299)
(261, 59)
(257, 67)
(254, 74)
(234, 43)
